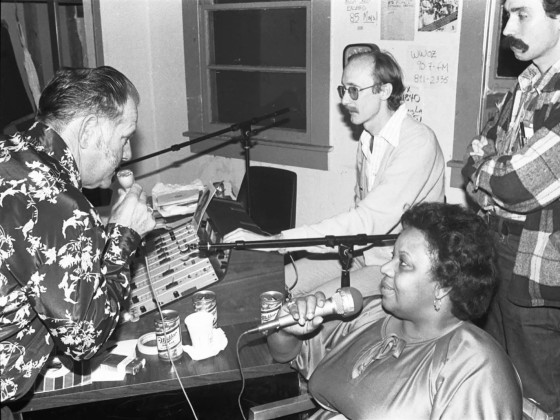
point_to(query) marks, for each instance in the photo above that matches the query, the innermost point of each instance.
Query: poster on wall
(361, 13)
(438, 15)
(397, 20)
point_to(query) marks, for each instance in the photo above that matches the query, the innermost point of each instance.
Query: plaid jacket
(520, 179)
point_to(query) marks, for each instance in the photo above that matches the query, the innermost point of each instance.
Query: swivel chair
(272, 201)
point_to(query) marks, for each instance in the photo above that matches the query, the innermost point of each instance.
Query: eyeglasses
(353, 91)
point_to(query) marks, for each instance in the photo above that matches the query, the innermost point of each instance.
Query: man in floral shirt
(64, 276)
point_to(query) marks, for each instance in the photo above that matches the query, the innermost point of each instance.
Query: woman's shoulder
(470, 365)
(473, 348)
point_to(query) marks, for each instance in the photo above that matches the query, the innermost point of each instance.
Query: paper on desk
(104, 373)
(176, 199)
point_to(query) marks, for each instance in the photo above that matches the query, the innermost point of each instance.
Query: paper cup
(200, 326)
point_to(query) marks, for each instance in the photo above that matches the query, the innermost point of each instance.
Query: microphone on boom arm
(244, 127)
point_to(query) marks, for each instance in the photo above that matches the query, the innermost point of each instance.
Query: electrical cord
(290, 288)
(242, 376)
(166, 337)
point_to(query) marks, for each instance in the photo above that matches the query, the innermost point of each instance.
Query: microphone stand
(246, 133)
(345, 247)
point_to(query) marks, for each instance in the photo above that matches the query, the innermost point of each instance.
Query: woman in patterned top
(425, 359)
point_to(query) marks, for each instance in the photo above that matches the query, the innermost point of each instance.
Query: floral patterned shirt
(64, 276)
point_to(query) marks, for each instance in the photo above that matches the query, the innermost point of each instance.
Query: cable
(289, 288)
(242, 376)
(149, 277)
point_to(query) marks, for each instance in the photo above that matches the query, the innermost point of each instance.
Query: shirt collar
(392, 130)
(532, 78)
(47, 140)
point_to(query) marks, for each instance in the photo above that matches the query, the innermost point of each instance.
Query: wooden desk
(249, 274)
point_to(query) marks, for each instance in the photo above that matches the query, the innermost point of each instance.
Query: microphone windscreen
(352, 300)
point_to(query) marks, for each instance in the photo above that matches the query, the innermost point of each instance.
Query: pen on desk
(523, 138)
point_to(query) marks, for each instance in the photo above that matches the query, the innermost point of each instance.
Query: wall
(429, 60)
(143, 39)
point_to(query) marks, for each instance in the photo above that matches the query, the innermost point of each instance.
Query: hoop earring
(437, 304)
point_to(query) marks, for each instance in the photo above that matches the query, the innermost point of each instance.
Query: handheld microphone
(346, 302)
(125, 178)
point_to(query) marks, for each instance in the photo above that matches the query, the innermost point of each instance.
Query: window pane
(264, 37)
(72, 36)
(245, 95)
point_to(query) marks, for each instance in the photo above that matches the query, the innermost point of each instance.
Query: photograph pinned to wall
(438, 15)
(397, 20)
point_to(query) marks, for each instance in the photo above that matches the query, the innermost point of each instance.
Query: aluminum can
(205, 300)
(271, 302)
(168, 335)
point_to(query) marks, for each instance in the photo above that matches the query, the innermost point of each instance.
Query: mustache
(513, 42)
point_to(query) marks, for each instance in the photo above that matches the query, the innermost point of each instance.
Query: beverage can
(205, 300)
(271, 302)
(168, 335)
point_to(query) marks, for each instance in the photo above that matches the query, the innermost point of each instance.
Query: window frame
(274, 145)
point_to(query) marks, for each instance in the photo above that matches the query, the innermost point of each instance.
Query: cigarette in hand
(126, 178)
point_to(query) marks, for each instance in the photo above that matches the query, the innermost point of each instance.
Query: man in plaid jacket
(512, 172)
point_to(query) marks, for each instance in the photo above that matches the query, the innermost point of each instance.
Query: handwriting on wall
(429, 66)
(414, 102)
(360, 12)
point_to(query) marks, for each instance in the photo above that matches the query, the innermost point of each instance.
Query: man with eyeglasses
(399, 163)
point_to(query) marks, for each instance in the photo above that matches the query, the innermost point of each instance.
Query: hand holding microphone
(126, 179)
(131, 209)
(304, 314)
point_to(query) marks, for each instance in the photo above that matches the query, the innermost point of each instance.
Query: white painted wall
(144, 40)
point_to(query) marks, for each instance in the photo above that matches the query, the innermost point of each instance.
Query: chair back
(272, 204)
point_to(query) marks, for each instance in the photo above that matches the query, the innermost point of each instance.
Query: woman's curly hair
(463, 256)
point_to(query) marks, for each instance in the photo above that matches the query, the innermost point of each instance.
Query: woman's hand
(302, 309)
(285, 344)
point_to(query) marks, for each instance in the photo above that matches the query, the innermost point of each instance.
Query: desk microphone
(346, 302)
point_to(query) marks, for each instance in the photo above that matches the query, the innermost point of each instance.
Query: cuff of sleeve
(479, 172)
(126, 239)
(295, 233)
